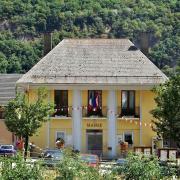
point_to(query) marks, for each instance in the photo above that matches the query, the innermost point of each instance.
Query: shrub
(16, 168)
(72, 168)
(169, 170)
(140, 167)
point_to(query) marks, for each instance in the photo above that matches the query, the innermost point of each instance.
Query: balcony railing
(65, 111)
(61, 111)
(94, 112)
(132, 112)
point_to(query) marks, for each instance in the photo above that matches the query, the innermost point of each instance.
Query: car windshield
(6, 147)
(89, 158)
(121, 161)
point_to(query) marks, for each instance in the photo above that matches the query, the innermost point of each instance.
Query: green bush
(168, 170)
(16, 168)
(69, 168)
(140, 167)
(137, 167)
(72, 168)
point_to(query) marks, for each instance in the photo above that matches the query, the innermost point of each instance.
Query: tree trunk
(171, 137)
(26, 146)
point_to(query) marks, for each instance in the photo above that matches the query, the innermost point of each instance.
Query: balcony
(61, 111)
(97, 112)
(124, 112)
(101, 112)
(65, 111)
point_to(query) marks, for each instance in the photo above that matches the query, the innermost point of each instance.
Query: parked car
(7, 150)
(35, 151)
(91, 159)
(51, 157)
(121, 161)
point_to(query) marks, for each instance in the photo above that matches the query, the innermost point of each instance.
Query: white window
(60, 134)
(128, 137)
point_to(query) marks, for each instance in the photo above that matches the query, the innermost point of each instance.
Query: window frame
(128, 109)
(132, 134)
(63, 112)
(61, 131)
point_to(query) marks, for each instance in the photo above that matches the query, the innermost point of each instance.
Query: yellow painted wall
(123, 125)
(40, 138)
(148, 104)
(104, 102)
(5, 135)
(32, 95)
(118, 95)
(54, 125)
(70, 101)
(62, 125)
(84, 95)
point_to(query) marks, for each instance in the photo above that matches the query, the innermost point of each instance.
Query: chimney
(47, 42)
(144, 43)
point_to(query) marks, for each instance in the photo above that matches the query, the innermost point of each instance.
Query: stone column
(48, 134)
(76, 119)
(112, 109)
(140, 118)
(48, 125)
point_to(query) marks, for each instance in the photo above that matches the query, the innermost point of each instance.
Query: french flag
(90, 100)
(97, 100)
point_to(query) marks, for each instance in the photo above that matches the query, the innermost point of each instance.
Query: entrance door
(94, 142)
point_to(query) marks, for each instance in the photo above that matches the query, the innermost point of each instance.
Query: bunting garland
(124, 118)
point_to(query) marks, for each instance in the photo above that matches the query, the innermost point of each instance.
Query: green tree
(24, 118)
(167, 111)
(22, 22)
(3, 63)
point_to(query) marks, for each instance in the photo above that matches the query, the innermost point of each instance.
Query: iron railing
(61, 111)
(66, 111)
(135, 112)
(94, 112)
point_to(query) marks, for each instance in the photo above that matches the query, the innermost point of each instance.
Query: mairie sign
(97, 125)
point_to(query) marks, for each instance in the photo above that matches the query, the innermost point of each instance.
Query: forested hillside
(23, 22)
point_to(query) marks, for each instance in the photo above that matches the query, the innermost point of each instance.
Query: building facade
(7, 92)
(101, 90)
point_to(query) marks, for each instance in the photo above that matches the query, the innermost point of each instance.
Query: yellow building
(7, 92)
(101, 89)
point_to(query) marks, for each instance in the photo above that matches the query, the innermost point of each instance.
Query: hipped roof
(94, 61)
(8, 87)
